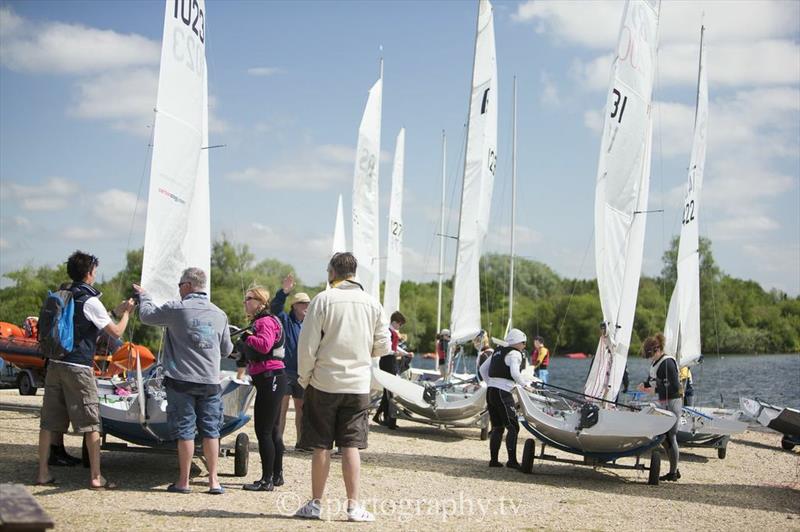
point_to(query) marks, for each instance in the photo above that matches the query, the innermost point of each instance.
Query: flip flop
(47, 482)
(216, 491)
(108, 486)
(172, 488)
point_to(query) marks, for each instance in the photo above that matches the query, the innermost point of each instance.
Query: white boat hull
(617, 432)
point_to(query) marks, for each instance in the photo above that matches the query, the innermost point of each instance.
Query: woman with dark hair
(664, 380)
(263, 351)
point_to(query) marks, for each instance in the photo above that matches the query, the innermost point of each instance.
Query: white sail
(177, 234)
(476, 193)
(682, 330)
(623, 177)
(365, 193)
(339, 244)
(394, 255)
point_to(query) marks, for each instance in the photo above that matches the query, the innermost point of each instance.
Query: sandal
(47, 482)
(107, 486)
(172, 488)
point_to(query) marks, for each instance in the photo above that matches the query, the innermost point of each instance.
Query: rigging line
(661, 182)
(572, 294)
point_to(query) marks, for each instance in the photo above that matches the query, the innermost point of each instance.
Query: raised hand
(288, 283)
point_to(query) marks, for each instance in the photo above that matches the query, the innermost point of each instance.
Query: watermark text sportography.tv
(409, 508)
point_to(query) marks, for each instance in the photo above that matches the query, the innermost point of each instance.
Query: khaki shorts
(70, 394)
(339, 417)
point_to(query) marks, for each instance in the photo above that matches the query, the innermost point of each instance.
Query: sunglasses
(250, 299)
(183, 283)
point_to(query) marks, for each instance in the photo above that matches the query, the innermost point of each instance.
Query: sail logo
(171, 196)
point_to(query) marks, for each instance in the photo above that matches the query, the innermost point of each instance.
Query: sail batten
(682, 328)
(479, 168)
(394, 254)
(366, 247)
(621, 194)
(178, 229)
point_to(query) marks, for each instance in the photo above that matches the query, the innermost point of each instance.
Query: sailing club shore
(417, 477)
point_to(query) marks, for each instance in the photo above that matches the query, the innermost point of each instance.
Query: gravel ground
(419, 477)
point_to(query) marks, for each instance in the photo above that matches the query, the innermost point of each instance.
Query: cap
(515, 336)
(300, 297)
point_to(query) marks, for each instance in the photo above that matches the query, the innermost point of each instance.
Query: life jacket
(660, 383)
(441, 348)
(545, 360)
(498, 369)
(84, 332)
(482, 356)
(277, 351)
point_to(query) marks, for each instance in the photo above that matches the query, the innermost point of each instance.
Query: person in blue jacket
(292, 321)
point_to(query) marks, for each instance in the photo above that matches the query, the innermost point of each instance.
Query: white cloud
(743, 227)
(314, 168)
(84, 234)
(51, 195)
(593, 120)
(779, 263)
(118, 210)
(264, 71)
(595, 23)
(125, 99)
(4, 244)
(594, 74)
(499, 238)
(549, 96)
(69, 48)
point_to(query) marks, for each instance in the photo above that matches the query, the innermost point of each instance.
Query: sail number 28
(192, 15)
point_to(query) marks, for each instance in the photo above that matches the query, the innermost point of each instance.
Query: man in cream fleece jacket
(344, 330)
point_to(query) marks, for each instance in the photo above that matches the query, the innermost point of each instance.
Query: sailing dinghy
(780, 419)
(457, 400)
(592, 424)
(698, 427)
(177, 234)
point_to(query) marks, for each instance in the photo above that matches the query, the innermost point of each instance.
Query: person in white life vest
(501, 372)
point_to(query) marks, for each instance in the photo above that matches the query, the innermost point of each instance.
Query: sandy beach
(418, 477)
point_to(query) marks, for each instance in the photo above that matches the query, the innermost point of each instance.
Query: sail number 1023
(192, 15)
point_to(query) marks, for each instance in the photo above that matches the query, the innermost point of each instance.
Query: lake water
(719, 380)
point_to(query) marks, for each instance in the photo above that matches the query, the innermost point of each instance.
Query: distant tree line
(737, 316)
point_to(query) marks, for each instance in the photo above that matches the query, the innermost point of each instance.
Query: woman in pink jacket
(262, 347)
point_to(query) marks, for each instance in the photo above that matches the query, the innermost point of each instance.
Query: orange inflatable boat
(22, 350)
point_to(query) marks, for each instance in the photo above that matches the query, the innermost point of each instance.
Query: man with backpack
(69, 323)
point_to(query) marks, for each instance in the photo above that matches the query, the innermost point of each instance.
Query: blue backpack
(56, 325)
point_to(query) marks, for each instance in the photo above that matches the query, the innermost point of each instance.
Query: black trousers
(503, 416)
(270, 389)
(387, 363)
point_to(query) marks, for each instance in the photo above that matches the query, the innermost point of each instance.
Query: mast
(513, 208)
(441, 235)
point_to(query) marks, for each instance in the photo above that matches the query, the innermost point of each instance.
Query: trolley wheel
(25, 384)
(655, 468)
(85, 454)
(722, 452)
(484, 434)
(528, 453)
(787, 444)
(242, 456)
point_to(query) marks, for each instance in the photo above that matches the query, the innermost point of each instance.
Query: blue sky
(288, 82)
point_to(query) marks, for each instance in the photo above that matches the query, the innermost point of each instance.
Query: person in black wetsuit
(664, 380)
(501, 372)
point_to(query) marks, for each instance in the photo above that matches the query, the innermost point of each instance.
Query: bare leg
(320, 466)
(44, 454)
(351, 471)
(298, 416)
(284, 411)
(211, 454)
(185, 453)
(93, 446)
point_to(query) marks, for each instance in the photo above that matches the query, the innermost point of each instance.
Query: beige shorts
(70, 395)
